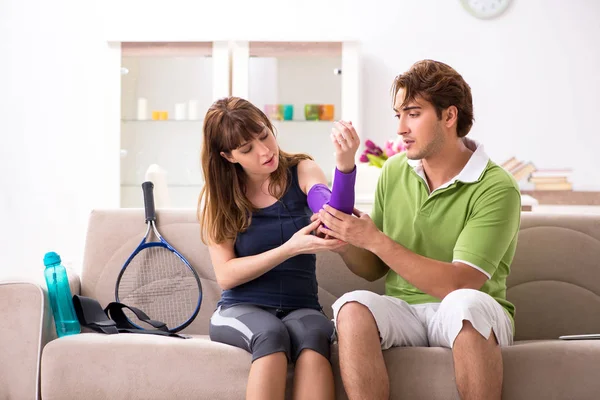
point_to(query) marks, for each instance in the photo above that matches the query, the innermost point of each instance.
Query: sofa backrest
(555, 281)
(555, 276)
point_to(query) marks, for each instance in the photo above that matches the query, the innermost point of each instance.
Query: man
(443, 230)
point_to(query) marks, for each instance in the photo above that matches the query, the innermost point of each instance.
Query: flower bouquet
(376, 156)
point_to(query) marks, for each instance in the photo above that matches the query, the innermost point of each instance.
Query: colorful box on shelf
(160, 115)
(319, 112)
(279, 112)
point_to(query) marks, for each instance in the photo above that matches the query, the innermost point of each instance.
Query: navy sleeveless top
(291, 284)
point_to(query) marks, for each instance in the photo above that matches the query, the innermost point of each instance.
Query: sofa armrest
(26, 325)
(23, 321)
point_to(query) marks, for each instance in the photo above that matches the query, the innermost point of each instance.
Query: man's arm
(436, 278)
(363, 263)
(477, 253)
(372, 253)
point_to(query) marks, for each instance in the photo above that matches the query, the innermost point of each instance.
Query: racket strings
(160, 284)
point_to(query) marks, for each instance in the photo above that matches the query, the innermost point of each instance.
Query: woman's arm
(232, 271)
(312, 179)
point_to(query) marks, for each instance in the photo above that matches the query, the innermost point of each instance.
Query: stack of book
(520, 170)
(541, 179)
(549, 179)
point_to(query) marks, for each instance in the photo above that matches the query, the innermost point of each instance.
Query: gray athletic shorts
(263, 331)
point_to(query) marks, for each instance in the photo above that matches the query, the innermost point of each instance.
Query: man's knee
(352, 314)
(468, 311)
(465, 300)
(364, 298)
(352, 310)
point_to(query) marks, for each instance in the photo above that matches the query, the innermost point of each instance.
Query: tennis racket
(157, 279)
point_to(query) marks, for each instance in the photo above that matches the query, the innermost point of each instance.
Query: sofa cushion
(137, 366)
(133, 366)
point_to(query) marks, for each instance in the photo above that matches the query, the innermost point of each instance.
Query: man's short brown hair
(440, 85)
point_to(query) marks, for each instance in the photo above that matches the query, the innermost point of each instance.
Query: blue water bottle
(61, 299)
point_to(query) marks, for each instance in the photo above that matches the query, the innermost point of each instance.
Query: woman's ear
(228, 157)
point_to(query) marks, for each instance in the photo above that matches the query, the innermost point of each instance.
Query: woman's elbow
(223, 282)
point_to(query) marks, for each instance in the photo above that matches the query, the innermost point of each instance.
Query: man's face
(419, 126)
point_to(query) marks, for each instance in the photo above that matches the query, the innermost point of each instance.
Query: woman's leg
(311, 333)
(267, 378)
(262, 334)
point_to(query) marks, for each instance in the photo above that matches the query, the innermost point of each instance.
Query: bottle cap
(51, 258)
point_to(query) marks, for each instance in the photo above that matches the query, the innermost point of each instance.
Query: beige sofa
(555, 285)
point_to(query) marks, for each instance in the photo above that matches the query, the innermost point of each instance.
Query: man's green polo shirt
(473, 219)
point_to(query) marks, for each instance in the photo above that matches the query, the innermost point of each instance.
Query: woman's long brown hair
(223, 208)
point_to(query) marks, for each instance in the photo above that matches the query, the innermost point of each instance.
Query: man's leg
(367, 323)
(473, 324)
(477, 365)
(362, 367)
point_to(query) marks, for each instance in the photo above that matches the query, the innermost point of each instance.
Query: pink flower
(398, 145)
(375, 155)
(376, 152)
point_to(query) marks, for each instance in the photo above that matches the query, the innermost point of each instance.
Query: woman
(256, 222)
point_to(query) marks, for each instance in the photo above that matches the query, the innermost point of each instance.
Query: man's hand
(322, 235)
(358, 230)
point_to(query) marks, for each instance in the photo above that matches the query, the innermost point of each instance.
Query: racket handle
(148, 188)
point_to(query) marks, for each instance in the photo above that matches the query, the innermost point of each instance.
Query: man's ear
(450, 116)
(228, 157)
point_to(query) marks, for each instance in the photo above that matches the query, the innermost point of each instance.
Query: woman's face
(259, 156)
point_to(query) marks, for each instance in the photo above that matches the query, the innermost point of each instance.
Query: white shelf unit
(164, 74)
(300, 73)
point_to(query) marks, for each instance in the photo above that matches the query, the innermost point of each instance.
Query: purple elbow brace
(341, 197)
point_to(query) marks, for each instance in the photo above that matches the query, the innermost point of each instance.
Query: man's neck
(447, 163)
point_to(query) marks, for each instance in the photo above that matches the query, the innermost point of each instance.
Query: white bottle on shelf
(180, 109)
(158, 176)
(142, 109)
(193, 110)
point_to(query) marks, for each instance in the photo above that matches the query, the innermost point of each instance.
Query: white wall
(533, 73)
(55, 157)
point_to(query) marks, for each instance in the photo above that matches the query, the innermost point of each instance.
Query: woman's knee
(310, 329)
(251, 329)
(272, 338)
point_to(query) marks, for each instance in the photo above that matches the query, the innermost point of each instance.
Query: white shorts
(432, 324)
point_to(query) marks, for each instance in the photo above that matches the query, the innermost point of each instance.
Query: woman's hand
(346, 142)
(304, 242)
(318, 233)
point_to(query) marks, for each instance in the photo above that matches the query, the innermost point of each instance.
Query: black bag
(113, 320)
